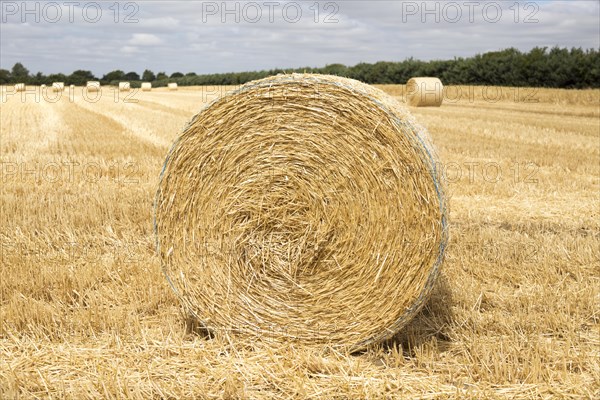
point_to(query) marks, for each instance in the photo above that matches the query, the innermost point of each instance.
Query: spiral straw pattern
(302, 207)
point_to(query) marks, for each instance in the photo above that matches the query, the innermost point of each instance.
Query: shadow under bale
(433, 321)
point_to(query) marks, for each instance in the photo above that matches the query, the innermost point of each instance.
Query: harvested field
(85, 311)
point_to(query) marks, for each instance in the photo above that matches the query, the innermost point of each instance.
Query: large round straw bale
(92, 86)
(172, 86)
(19, 87)
(146, 86)
(124, 86)
(302, 206)
(424, 92)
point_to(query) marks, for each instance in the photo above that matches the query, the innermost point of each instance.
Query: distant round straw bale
(424, 92)
(124, 86)
(58, 86)
(172, 86)
(92, 86)
(302, 207)
(146, 86)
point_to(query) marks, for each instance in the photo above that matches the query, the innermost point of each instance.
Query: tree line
(540, 67)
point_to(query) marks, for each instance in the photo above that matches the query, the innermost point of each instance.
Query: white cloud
(145, 39)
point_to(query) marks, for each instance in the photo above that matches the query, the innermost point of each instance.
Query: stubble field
(85, 311)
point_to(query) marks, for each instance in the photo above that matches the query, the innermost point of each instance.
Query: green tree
(176, 75)
(161, 75)
(39, 79)
(19, 73)
(536, 67)
(335, 69)
(148, 76)
(4, 76)
(56, 78)
(132, 76)
(116, 75)
(592, 74)
(80, 77)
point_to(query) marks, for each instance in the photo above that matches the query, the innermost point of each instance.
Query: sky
(218, 36)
